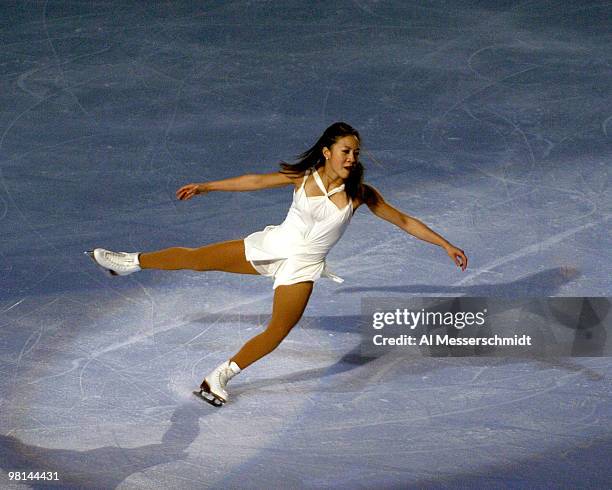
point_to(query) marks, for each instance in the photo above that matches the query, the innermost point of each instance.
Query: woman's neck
(330, 179)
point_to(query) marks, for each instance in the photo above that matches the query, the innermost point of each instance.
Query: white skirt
(270, 254)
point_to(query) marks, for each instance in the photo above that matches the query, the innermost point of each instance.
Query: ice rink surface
(489, 121)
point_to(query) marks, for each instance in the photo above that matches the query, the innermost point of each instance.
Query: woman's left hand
(458, 256)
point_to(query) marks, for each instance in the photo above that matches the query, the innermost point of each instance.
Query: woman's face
(342, 155)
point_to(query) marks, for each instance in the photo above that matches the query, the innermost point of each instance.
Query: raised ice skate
(115, 263)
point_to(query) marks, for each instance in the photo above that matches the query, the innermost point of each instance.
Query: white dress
(295, 250)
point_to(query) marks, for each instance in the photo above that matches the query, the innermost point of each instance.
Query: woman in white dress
(328, 189)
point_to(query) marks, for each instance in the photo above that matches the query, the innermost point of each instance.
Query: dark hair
(314, 157)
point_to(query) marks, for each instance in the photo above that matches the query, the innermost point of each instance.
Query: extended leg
(225, 256)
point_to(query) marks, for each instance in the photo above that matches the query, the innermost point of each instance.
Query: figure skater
(328, 189)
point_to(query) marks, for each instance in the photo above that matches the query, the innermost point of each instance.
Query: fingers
(461, 260)
(186, 192)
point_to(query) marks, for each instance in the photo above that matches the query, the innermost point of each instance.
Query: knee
(275, 333)
(180, 252)
(195, 258)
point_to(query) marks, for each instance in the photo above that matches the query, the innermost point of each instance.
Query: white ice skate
(115, 263)
(212, 389)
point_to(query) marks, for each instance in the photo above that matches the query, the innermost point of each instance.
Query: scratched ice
(489, 121)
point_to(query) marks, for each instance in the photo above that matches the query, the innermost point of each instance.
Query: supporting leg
(289, 304)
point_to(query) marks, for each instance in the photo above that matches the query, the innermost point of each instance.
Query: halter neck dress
(295, 250)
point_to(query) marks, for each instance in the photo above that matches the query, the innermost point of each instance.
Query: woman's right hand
(190, 190)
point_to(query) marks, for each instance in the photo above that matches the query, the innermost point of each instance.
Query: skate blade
(203, 395)
(108, 272)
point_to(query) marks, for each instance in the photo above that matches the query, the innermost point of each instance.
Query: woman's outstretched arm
(374, 200)
(248, 182)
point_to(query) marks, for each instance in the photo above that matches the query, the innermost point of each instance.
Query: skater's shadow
(540, 284)
(104, 467)
(361, 379)
(545, 283)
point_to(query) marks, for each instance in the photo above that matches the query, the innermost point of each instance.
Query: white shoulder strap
(319, 182)
(337, 189)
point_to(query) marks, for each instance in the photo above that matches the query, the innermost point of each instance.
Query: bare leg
(289, 304)
(224, 256)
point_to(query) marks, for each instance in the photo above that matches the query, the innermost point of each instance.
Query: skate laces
(223, 377)
(119, 259)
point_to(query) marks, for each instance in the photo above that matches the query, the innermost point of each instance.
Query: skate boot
(212, 389)
(115, 263)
